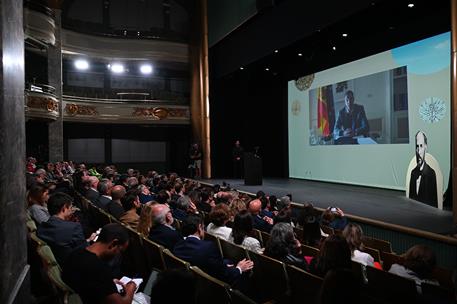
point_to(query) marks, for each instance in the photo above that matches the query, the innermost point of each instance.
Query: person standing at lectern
(237, 159)
(422, 184)
(352, 120)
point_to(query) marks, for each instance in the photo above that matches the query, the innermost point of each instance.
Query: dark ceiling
(313, 28)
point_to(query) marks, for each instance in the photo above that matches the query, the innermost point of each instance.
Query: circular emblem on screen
(303, 83)
(432, 110)
(295, 107)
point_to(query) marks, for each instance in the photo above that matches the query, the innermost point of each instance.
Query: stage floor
(384, 205)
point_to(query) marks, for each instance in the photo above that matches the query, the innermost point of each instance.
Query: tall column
(199, 103)
(55, 80)
(14, 271)
(454, 106)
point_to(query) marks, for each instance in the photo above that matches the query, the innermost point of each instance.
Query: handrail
(40, 88)
(119, 101)
(39, 7)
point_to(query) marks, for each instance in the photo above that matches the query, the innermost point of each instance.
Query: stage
(384, 205)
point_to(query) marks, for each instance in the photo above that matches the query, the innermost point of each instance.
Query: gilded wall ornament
(74, 109)
(305, 82)
(44, 103)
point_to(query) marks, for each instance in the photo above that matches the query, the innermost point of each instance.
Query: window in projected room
(372, 109)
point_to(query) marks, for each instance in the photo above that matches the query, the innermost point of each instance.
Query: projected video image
(372, 109)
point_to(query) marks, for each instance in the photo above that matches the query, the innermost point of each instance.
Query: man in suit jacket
(62, 235)
(162, 232)
(264, 223)
(92, 193)
(352, 120)
(205, 255)
(104, 189)
(422, 185)
(115, 207)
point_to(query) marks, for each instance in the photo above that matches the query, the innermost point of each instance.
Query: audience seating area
(270, 281)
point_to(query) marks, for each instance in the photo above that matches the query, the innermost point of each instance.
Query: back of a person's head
(282, 241)
(57, 201)
(162, 197)
(191, 224)
(420, 259)
(259, 194)
(284, 202)
(312, 234)
(219, 215)
(334, 254)
(128, 201)
(35, 193)
(118, 192)
(353, 234)
(264, 201)
(340, 286)
(307, 215)
(273, 200)
(112, 232)
(328, 217)
(164, 289)
(242, 226)
(183, 203)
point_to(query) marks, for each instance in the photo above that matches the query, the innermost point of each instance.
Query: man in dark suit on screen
(422, 185)
(352, 120)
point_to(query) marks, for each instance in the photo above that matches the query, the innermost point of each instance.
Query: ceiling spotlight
(276, 51)
(241, 68)
(81, 64)
(117, 68)
(410, 5)
(146, 69)
(267, 69)
(345, 35)
(300, 54)
(334, 48)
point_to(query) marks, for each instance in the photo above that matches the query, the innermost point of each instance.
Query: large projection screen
(396, 93)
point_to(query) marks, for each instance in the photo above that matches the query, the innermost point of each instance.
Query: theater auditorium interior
(228, 151)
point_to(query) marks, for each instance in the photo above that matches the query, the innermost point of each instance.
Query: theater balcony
(41, 102)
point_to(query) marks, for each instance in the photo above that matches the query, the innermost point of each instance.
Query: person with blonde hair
(235, 207)
(145, 223)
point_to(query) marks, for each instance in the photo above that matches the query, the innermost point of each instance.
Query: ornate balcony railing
(41, 102)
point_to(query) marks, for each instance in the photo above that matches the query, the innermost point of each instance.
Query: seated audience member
(183, 205)
(40, 176)
(87, 272)
(219, 217)
(340, 286)
(308, 221)
(265, 209)
(334, 218)
(273, 201)
(334, 254)
(236, 206)
(264, 223)
(37, 197)
(131, 203)
(145, 195)
(162, 197)
(145, 223)
(284, 246)
(177, 192)
(283, 203)
(92, 193)
(242, 228)
(353, 235)
(132, 182)
(104, 188)
(283, 216)
(418, 265)
(161, 231)
(62, 235)
(164, 289)
(205, 254)
(115, 207)
(123, 181)
(205, 203)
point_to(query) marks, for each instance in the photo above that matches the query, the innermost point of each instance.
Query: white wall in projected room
(384, 163)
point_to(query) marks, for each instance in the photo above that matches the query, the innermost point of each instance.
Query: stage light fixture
(300, 54)
(117, 68)
(241, 68)
(334, 48)
(410, 5)
(146, 69)
(81, 64)
(267, 69)
(345, 35)
(276, 51)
